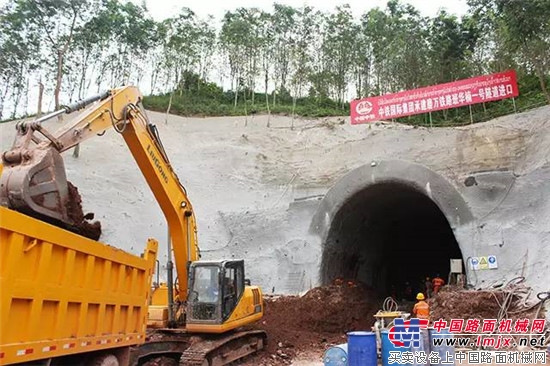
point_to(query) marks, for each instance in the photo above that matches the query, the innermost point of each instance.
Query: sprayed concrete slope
(268, 195)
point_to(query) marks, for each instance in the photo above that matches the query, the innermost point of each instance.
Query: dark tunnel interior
(387, 235)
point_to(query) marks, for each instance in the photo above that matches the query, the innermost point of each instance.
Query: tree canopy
(287, 56)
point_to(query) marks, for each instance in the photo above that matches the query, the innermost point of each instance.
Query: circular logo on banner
(364, 107)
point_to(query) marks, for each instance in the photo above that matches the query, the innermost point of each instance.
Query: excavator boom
(34, 180)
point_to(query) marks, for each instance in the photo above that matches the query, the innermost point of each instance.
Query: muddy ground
(500, 304)
(313, 322)
(300, 329)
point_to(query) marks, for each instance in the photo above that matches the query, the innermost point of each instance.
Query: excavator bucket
(36, 185)
(34, 182)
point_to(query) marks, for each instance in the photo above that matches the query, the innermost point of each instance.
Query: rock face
(272, 195)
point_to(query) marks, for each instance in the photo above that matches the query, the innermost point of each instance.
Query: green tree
(266, 38)
(339, 42)
(284, 25)
(520, 33)
(206, 42)
(526, 26)
(377, 37)
(181, 44)
(303, 48)
(237, 36)
(451, 42)
(19, 55)
(54, 23)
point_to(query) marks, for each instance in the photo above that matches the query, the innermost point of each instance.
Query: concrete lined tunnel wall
(393, 221)
(386, 235)
(387, 223)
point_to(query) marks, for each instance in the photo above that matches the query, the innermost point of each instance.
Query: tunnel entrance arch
(388, 223)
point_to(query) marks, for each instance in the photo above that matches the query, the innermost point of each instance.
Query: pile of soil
(318, 319)
(485, 304)
(463, 304)
(81, 222)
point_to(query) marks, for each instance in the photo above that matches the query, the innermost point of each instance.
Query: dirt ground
(484, 304)
(300, 329)
(506, 303)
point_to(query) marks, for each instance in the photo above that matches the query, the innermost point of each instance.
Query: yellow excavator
(196, 319)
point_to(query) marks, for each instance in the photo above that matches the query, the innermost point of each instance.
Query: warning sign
(493, 264)
(480, 263)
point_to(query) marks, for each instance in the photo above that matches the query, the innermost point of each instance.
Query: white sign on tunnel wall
(480, 263)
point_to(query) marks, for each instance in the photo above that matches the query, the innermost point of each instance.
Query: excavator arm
(33, 178)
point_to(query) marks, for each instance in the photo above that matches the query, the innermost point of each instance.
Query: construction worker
(428, 287)
(421, 309)
(437, 282)
(408, 291)
(212, 293)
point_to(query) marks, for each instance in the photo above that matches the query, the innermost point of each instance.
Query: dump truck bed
(63, 294)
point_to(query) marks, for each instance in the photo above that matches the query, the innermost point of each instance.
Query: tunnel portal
(386, 235)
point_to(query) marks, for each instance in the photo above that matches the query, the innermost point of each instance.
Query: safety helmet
(420, 296)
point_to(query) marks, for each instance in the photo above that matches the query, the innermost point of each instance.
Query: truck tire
(104, 360)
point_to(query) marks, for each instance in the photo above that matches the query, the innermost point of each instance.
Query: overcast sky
(162, 9)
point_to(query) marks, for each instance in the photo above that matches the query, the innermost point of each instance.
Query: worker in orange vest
(437, 282)
(421, 309)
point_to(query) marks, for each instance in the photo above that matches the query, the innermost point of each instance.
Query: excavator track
(224, 349)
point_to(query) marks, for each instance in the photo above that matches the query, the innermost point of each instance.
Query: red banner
(459, 93)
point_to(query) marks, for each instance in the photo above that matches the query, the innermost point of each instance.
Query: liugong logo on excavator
(156, 161)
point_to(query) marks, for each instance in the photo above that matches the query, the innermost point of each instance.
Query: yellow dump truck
(63, 295)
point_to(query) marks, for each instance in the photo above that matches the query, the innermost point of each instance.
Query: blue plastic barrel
(424, 347)
(362, 349)
(445, 352)
(388, 346)
(336, 356)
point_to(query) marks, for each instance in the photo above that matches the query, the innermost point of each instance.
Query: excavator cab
(218, 297)
(214, 288)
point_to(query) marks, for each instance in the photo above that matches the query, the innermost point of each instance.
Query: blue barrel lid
(336, 355)
(338, 347)
(360, 333)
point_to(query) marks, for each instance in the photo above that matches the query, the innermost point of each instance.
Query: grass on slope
(208, 99)
(199, 98)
